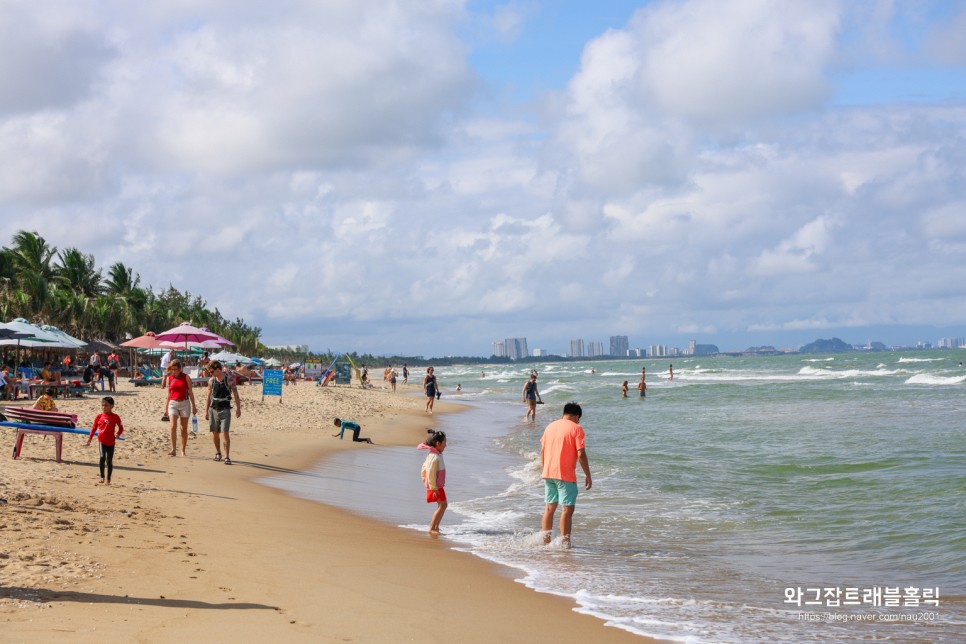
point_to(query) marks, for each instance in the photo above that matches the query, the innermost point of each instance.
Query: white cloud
(688, 179)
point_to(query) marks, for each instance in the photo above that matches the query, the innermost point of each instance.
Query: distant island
(834, 345)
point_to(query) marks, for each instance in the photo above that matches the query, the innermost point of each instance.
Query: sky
(426, 177)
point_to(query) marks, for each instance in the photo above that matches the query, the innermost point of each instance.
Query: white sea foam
(848, 373)
(931, 379)
(901, 360)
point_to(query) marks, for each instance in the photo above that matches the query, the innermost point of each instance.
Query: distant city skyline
(584, 347)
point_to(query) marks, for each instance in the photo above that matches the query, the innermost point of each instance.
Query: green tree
(76, 272)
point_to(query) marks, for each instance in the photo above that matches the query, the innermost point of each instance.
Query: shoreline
(179, 548)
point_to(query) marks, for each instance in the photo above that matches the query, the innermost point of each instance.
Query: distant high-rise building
(691, 345)
(618, 345)
(499, 349)
(637, 353)
(595, 349)
(577, 348)
(538, 353)
(657, 350)
(516, 348)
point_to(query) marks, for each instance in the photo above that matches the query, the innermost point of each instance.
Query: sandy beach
(185, 549)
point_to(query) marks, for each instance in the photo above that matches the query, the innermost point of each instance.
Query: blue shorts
(562, 492)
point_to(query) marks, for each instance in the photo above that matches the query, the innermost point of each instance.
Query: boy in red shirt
(104, 425)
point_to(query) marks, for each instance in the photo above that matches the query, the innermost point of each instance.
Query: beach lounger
(42, 423)
(151, 377)
(23, 429)
(39, 416)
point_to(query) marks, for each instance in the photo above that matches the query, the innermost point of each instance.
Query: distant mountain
(826, 346)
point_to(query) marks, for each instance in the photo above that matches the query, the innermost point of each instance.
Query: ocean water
(717, 499)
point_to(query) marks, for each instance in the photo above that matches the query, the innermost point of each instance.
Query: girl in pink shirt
(434, 477)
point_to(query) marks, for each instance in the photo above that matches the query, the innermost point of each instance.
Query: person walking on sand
(642, 386)
(434, 477)
(353, 427)
(104, 425)
(114, 364)
(179, 405)
(221, 389)
(561, 448)
(165, 363)
(530, 397)
(392, 379)
(430, 388)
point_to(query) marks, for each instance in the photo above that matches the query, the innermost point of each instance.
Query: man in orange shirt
(561, 448)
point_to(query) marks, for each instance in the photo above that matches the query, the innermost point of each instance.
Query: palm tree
(32, 254)
(33, 272)
(121, 280)
(75, 271)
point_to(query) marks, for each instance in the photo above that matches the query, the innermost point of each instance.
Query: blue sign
(272, 383)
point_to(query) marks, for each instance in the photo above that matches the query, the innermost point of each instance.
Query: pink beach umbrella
(147, 341)
(184, 334)
(222, 342)
(206, 344)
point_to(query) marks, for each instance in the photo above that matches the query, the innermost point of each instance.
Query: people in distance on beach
(221, 390)
(405, 373)
(530, 397)
(47, 374)
(353, 427)
(392, 379)
(5, 383)
(180, 405)
(165, 363)
(46, 402)
(624, 390)
(592, 371)
(459, 387)
(434, 477)
(430, 388)
(670, 372)
(114, 364)
(103, 426)
(103, 373)
(561, 448)
(204, 365)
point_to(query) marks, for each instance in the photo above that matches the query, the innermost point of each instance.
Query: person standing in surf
(642, 386)
(561, 448)
(434, 477)
(430, 388)
(530, 397)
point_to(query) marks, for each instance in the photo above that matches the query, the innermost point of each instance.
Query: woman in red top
(179, 405)
(104, 425)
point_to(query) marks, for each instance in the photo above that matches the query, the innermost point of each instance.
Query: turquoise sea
(762, 499)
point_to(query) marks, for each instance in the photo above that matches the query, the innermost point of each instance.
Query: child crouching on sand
(434, 477)
(104, 425)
